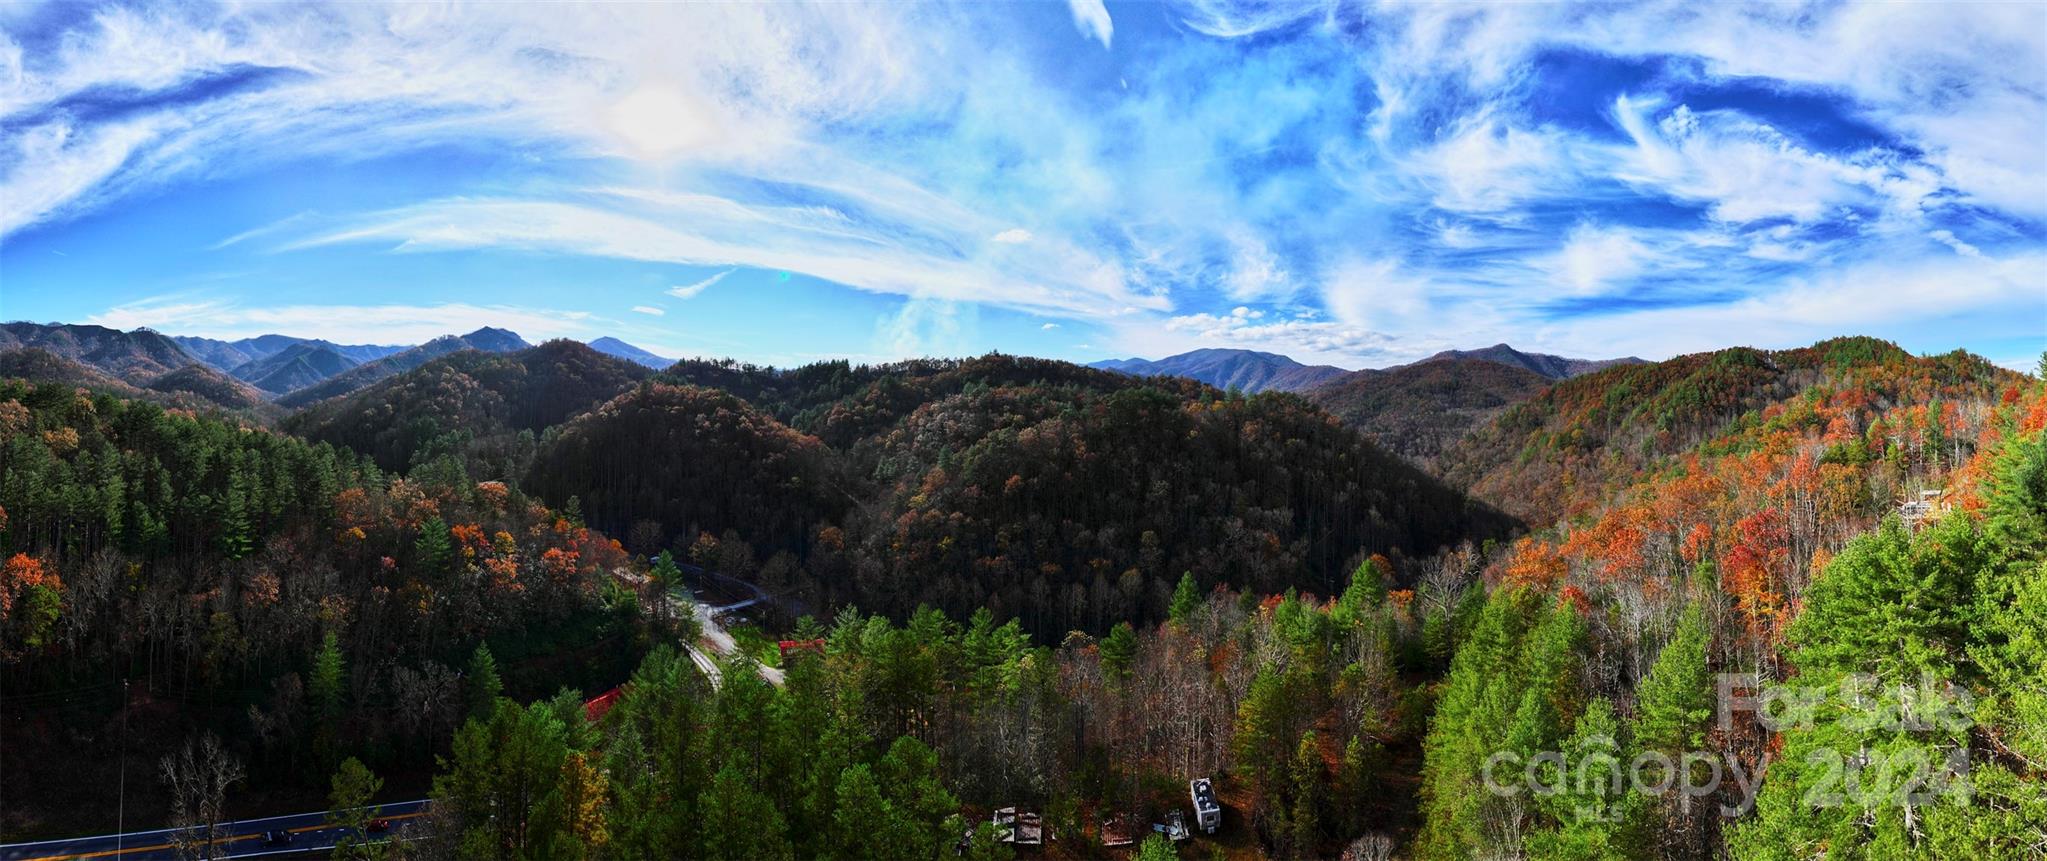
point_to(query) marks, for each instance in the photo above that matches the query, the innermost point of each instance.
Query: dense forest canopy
(1071, 497)
(1014, 582)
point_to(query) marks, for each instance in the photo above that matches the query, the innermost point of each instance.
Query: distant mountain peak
(1224, 368)
(1553, 367)
(618, 349)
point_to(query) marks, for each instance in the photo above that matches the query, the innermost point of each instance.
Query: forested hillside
(134, 357)
(255, 586)
(1419, 410)
(1774, 549)
(1586, 439)
(138, 359)
(1069, 497)
(472, 404)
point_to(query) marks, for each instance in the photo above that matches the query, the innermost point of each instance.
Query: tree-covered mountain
(486, 339)
(1065, 495)
(1419, 410)
(140, 363)
(1553, 367)
(618, 349)
(1249, 371)
(470, 403)
(134, 357)
(212, 385)
(43, 366)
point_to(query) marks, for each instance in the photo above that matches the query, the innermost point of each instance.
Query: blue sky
(1357, 184)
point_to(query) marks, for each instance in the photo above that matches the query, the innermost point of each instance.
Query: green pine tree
(480, 683)
(1186, 599)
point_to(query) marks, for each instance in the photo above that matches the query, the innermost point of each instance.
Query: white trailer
(1208, 813)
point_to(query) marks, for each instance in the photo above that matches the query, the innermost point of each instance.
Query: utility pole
(121, 809)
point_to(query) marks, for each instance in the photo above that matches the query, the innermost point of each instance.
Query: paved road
(721, 642)
(310, 832)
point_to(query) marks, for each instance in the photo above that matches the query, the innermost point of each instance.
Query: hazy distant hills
(618, 349)
(234, 356)
(294, 367)
(1246, 370)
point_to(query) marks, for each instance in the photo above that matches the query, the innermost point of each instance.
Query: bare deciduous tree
(199, 777)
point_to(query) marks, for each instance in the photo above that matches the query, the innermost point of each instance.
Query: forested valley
(1005, 582)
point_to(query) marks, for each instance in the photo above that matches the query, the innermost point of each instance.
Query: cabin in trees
(1930, 504)
(1026, 828)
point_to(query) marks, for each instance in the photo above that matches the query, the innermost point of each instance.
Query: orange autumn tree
(1761, 546)
(31, 599)
(1535, 563)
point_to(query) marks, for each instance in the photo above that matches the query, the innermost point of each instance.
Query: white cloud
(1093, 19)
(1049, 326)
(1948, 238)
(1232, 18)
(925, 328)
(1488, 166)
(1255, 271)
(1315, 340)
(657, 121)
(1377, 294)
(649, 310)
(1595, 258)
(690, 291)
(1744, 170)
(1012, 236)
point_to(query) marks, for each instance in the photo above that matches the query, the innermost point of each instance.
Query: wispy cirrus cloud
(690, 290)
(1412, 176)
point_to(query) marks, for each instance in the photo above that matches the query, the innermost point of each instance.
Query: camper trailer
(1208, 813)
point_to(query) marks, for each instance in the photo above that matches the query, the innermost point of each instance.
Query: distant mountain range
(486, 339)
(1414, 410)
(1246, 370)
(1252, 371)
(234, 356)
(242, 373)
